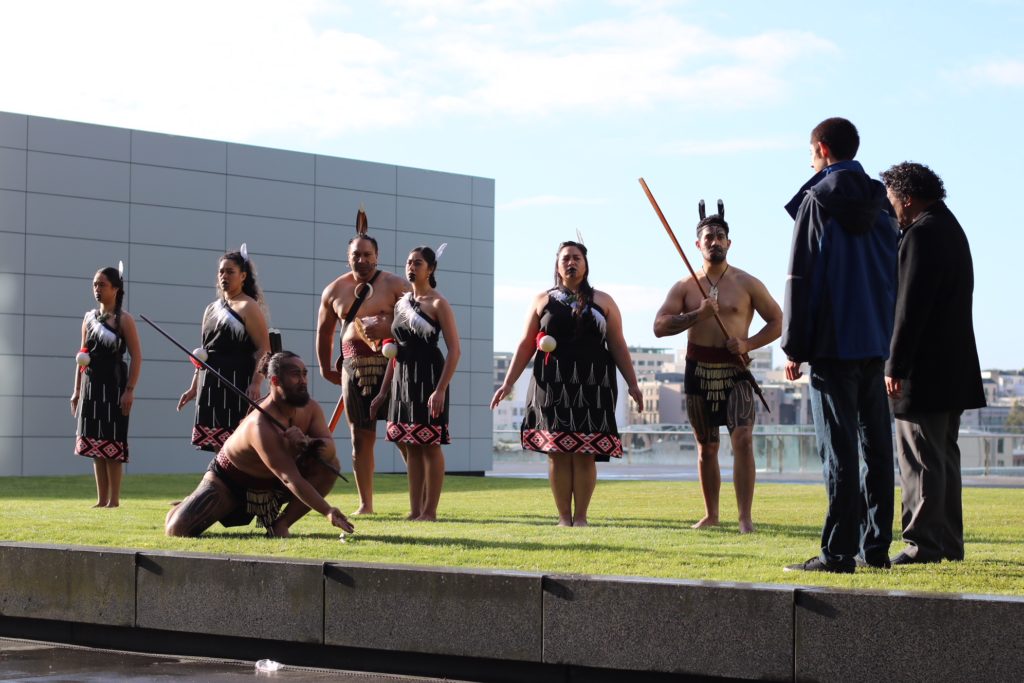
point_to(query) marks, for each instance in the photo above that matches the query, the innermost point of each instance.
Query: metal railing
(781, 449)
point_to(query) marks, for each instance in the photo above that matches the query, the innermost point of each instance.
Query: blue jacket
(841, 291)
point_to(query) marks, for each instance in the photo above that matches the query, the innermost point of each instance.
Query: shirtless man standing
(259, 468)
(361, 367)
(716, 385)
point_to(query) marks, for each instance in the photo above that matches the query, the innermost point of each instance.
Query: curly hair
(249, 285)
(910, 179)
(840, 135)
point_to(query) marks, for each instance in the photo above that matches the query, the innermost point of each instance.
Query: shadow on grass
(528, 519)
(473, 543)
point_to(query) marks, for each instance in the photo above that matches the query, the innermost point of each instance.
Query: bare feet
(580, 522)
(747, 526)
(426, 518)
(363, 510)
(101, 504)
(113, 505)
(280, 530)
(564, 520)
(412, 516)
(706, 521)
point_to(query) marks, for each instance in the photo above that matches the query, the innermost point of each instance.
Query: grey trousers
(933, 524)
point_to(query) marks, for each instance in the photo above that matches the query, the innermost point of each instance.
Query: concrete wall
(630, 625)
(75, 197)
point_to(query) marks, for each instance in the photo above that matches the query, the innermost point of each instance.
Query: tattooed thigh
(209, 503)
(739, 407)
(700, 419)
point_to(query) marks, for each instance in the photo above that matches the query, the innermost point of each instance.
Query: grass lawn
(637, 529)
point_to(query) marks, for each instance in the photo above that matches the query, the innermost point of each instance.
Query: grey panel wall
(75, 197)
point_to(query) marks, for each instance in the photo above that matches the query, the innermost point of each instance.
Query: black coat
(933, 342)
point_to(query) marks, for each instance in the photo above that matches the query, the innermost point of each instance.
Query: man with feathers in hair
(717, 386)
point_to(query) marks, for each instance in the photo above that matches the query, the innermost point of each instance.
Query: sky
(566, 104)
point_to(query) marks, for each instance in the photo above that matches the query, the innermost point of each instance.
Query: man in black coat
(933, 373)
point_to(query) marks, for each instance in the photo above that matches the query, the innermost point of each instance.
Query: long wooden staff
(744, 358)
(223, 380)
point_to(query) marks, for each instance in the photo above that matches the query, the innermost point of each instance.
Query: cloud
(548, 200)
(731, 146)
(1004, 73)
(245, 69)
(635, 300)
(514, 294)
(627, 63)
(224, 69)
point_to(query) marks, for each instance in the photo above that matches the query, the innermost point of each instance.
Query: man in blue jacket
(838, 316)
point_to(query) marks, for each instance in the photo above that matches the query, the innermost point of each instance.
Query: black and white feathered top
(224, 334)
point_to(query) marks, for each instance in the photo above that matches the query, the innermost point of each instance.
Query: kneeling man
(260, 468)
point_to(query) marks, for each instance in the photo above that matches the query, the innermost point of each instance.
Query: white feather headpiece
(244, 251)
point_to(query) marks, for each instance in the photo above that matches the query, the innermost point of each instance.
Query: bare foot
(580, 522)
(363, 510)
(113, 505)
(412, 516)
(747, 526)
(279, 530)
(426, 518)
(100, 504)
(705, 522)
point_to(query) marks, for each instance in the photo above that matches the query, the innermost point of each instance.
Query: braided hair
(113, 276)
(586, 292)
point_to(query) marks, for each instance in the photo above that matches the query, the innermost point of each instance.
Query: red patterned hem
(592, 443)
(210, 438)
(102, 449)
(418, 435)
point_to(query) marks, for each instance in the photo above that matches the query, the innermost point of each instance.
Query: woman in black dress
(235, 336)
(105, 385)
(570, 407)
(418, 381)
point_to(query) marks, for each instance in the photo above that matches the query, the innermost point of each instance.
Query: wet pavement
(25, 660)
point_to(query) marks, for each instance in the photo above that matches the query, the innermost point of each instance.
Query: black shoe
(904, 559)
(885, 563)
(816, 565)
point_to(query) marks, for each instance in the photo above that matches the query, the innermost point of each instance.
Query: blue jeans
(851, 416)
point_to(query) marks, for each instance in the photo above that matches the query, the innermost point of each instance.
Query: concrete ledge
(88, 585)
(508, 625)
(231, 596)
(690, 627)
(859, 636)
(491, 614)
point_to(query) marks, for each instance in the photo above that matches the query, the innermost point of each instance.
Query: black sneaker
(816, 565)
(904, 558)
(885, 564)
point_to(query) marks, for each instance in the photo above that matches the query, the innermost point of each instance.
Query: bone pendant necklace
(713, 291)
